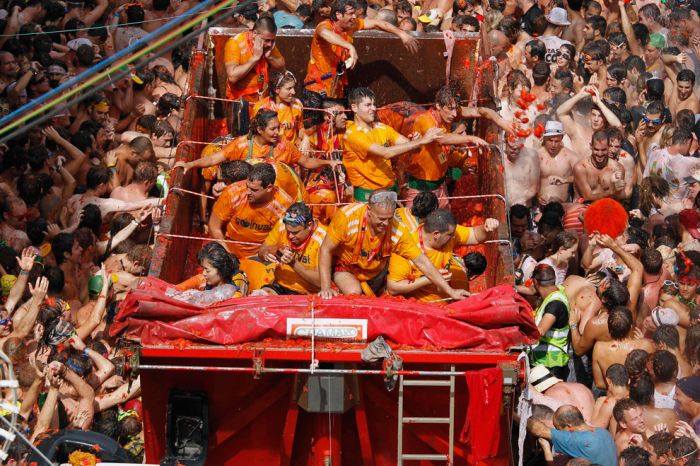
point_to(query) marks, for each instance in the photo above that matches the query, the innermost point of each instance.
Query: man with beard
(600, 116)
(683, 83)
(598, 176)
(556, 165)
(293, 244)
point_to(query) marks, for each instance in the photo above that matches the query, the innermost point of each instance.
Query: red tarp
(493, 320)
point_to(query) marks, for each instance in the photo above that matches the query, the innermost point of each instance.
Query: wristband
(23, 272)
(85, 351)
(135, 222)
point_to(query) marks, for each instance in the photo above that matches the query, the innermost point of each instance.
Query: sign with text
(328, 329)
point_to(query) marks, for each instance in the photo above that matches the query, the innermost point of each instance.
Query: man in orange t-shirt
(248, 56)
(361, 238)
(370, 146)
(427, 168)
(332, 51)
(246, 211)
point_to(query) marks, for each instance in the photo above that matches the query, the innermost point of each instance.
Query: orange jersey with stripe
(242, 149)
(431, 161)
(321, 140)
(320, 192)
(245, 222)
(306, 256)
(406, 218)
(365, 170)
(359, 250)
(239, 50)
(325, 58)
(443, 258)
(290, 116)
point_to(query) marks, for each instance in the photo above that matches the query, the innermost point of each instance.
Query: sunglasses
(646, 119)
(670, 283)
(563, 55)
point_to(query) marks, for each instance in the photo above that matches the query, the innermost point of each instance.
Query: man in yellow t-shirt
(246, 211)
(293, 244)
(437, 237)
(360, 240)
(369, 146)
(427, 168)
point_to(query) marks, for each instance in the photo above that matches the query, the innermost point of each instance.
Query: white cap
(75, 44)
(553, 128)
(558, 17)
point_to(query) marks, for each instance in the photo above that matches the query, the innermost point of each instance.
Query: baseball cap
(558, 17)
(664, 316)
(690, 386)
(285, 20)
(95, 284)
(694, 177)
(690, 219)
(76, 43)
(657, 40)
(553, 128)
(541, 379)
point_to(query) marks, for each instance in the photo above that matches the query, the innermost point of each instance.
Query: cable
(84, 75)
(121, 73)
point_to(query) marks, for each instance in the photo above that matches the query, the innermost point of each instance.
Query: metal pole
(295, 370)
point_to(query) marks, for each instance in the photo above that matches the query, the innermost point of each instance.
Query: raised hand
(26, 260)
(40, 289)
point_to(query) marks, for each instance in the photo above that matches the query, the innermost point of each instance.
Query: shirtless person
(551, 391)
(556, 165)
(642, 392)
(598, 176)
(631, 430)
(607, 353)
(684, 96)
(615, 139)
(600, 116)
(522, 173)
(145, 176)
(617, 379)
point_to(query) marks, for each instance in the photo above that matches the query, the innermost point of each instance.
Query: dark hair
(642, 390)
(635, 456)
(569, 416)
(616, 295)
(261, 120)
(519, 211)
(91, 219)
(651, 11)
(36, 230)
(620, 322)
(566, 78)
(692, 344)
(147, 121)
(424, 203)
(636, 363)
(668, 335)
(540, 73)
(621, 406)
(161, 5)
(439, 220)
(618, 375)
(685, 119)
(135, 14)
(97, 176)
(475, 263)
(684, 447)
(656, 106)
(652, 261)
(446, 95)
(661, 442)
(356, 95)
(544, 273)
(681, 136)
(219, 258)
(598, 23)
(234, 170)
(563, 240)
(82, 140)
(263, 172)
(537, 49)
(686, 75)
(664, 365)
(299, 209)
(56, 279)
(340, 6)
(106, 423)
(62, 243)
(85, 55)
(618, 38)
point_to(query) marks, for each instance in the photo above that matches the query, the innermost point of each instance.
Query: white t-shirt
(553, 44)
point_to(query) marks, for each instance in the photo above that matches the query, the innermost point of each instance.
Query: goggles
(646, 119)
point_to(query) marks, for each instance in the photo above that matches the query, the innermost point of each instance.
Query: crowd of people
(320, 189)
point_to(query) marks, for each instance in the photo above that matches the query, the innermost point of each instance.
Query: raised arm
(24, 325)
(408, 40)
(635, 49)
(25, 262)
(565, 109)
(634, 281)
(404, 145)
(104, 366)
(335, 39)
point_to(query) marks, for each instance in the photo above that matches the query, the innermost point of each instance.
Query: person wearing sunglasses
(564, 58)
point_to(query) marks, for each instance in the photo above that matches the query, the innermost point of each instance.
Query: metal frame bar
(298, 370)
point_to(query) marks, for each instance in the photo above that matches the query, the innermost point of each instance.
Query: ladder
(401, 456)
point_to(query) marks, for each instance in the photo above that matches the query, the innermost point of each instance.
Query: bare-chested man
(607, 353)
(617, 379)
(600, 115)
(598, 176)
(551, 391)
(615, 139)
(522, 173)
(145, 176)
(631, 427)
(642, 392)
(682, 96)
(556, 165)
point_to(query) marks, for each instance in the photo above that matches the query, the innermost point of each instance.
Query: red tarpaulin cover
(493, 320)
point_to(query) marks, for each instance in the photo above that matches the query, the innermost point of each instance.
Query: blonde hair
(666, 136)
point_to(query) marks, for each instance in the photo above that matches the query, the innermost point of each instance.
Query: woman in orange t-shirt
(283, 100)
